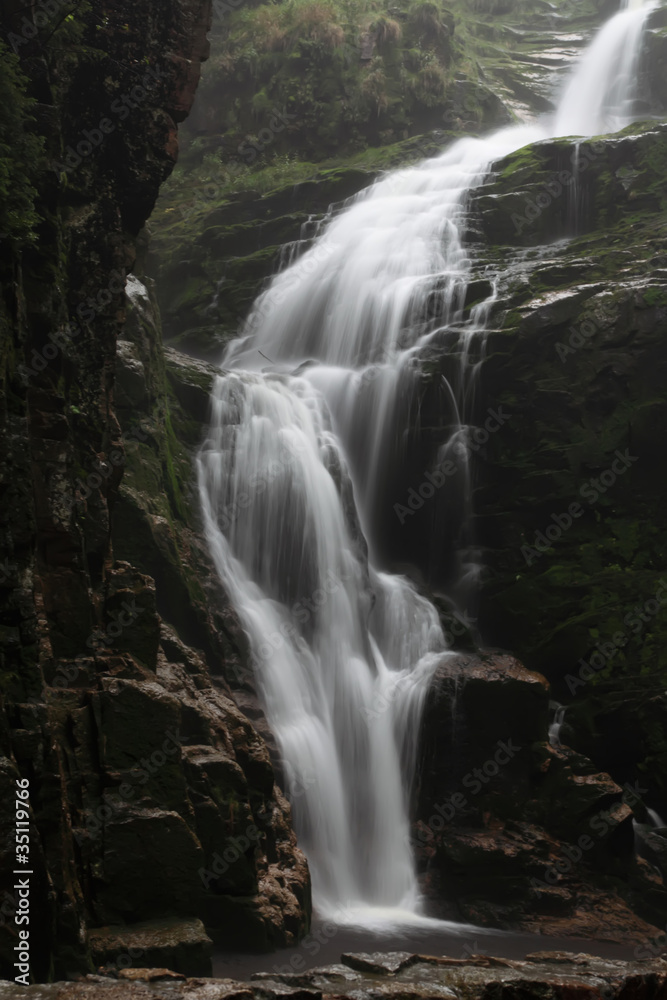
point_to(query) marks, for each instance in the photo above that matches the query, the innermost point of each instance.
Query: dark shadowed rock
(182, 943)
(384, 963)
(146, 780)
(513, 832)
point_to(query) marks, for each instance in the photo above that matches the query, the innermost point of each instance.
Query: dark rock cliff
(152, 797)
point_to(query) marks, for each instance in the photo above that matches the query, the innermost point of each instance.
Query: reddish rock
(512, 832)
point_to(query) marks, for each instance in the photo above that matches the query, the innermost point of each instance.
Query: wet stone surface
(543, 975)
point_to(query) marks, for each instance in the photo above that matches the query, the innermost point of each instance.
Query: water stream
(309, 424)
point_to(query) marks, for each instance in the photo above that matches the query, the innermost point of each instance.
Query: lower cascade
(308, 415)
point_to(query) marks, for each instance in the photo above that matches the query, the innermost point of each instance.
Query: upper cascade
(606, 76)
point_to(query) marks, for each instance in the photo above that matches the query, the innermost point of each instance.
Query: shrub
(21, 153)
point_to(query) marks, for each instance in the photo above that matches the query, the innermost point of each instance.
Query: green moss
(21, 154)
(655, 296)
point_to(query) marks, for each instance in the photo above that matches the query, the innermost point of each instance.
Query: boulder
(512, 832)
(181, 945)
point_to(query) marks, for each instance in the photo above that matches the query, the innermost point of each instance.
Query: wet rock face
(558, 188)
(512, 832)
(570, 508)
(152, 796)
(568, 500)
(546, 975)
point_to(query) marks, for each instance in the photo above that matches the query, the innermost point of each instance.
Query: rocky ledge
(545, 974)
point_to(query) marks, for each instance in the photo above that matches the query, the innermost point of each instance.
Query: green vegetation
(327, 93)
(351, 73)
(20, 153)
(323, 77)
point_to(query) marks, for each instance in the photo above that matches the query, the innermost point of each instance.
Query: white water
(656, 819)
(557, 720)
(601, 91)
(308, 418)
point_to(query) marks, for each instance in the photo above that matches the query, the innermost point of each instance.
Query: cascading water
(297, 457)
(607, 76)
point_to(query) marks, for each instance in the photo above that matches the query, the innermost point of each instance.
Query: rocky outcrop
(621, 724)
(571, 524)
(569, 516)
(514, 832)
(346, 82)
(183, 943)
(550, 975)
(152, 797)
(570, 509)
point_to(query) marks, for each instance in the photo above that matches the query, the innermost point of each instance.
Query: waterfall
(309, 415)
(656, 819)
(607, 76)
(557, 712)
